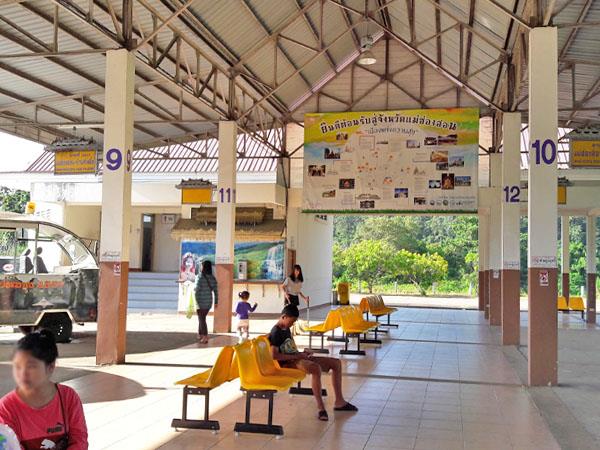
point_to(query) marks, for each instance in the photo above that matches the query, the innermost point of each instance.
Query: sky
(22, 153)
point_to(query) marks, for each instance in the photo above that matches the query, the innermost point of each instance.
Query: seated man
(286, 353)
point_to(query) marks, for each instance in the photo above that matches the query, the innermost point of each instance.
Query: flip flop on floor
(347, 407)
(323, 415)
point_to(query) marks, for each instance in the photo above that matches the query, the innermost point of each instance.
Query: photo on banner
(391, 161)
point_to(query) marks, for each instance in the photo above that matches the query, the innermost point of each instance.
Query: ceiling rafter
(183, 88)
(412, 49)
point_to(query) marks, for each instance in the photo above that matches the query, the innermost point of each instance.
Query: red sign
(544, 278)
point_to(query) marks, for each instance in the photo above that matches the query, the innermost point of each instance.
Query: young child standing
(242, 311)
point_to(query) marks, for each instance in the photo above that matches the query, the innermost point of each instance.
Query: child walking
(242, 311)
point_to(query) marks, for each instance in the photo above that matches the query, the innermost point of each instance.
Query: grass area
(447, 287)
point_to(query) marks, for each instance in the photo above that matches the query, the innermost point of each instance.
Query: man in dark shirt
(286, 353)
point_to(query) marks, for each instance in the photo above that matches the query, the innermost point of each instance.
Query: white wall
(84, 221)
(314, 253)
(167, 244)
(166, 249)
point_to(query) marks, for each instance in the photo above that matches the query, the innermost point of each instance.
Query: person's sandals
(323, 415)
(347, 407)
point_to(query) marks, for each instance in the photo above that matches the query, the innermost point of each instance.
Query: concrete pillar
(483, 236)
(565, 255)
(495, 240)
(116, 207)
(225, 224)
(590, 315)
(511, 254)
(542, 207)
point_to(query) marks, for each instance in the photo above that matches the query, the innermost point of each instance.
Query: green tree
(402, 232)
(13, 200)
(368, 261)
(422, 270)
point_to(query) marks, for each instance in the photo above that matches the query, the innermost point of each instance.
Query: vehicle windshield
(79, 255)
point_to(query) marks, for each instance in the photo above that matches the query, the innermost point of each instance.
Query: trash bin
(343, 291)
(334, 297)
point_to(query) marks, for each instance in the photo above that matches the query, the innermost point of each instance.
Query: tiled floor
(439, 381)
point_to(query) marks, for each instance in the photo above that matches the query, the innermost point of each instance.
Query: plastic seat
(201, 384)
(577, 304)
(562, 304)
(268, 366)
(332, 321)
(258, 386)
(216, 375)
(251, 378)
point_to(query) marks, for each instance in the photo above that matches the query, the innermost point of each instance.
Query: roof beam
(573, 33)
(415, 51)
(260, 44)
(509, 13)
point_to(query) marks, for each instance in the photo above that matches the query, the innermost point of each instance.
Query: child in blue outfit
(242, 311)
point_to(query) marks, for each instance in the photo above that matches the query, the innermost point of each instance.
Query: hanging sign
(584, 154)
(391, 161)
(73, 162)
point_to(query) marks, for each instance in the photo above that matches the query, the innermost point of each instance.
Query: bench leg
(317, 350)
(389, 324)
(249, 427)
(366, 340)
(358, 351)
(204, 424)
(299, 390)
(333, 338)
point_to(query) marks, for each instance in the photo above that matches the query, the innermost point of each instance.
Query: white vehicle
(48, 277)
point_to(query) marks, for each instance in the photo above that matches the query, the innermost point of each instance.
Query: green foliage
(368, 261)
(422, 270)
(13, 200)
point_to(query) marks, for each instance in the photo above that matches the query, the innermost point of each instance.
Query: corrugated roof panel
(230, 22)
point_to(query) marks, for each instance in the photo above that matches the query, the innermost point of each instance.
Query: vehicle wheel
(60, 325)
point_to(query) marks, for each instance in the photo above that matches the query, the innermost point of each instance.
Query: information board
(391, 161)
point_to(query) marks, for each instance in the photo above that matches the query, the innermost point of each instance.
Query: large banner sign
(391, 161)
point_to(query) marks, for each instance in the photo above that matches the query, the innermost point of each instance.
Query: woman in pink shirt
(43, 414)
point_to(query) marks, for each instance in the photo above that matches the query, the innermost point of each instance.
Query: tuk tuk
(48, 277)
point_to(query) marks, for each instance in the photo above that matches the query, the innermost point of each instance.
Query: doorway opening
(147, 241)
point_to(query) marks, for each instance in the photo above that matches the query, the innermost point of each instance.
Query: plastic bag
(191, 309)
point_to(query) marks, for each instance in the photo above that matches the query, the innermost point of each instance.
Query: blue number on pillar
(545, 152)
(225, 195)
(114, 159)
(511, 194)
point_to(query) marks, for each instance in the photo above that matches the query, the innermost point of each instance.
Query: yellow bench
(268, 366)
(562, 304)
(201, 384)
(377, 308)
(332, 321)
(258, 386)
(353, 324)
(577, 304)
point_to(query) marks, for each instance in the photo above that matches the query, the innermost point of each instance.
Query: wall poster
(264, 260)
(391, 161)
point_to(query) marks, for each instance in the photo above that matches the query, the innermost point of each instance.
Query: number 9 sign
(114, 159)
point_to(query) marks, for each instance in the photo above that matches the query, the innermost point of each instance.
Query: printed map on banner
(390, 161)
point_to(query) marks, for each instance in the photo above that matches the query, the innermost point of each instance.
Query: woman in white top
(292, 287)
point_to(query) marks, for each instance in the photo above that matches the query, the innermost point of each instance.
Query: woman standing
(292, 287)
(206, 288)
(42, 414)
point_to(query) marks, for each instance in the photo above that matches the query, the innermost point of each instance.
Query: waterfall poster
(265, 260)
